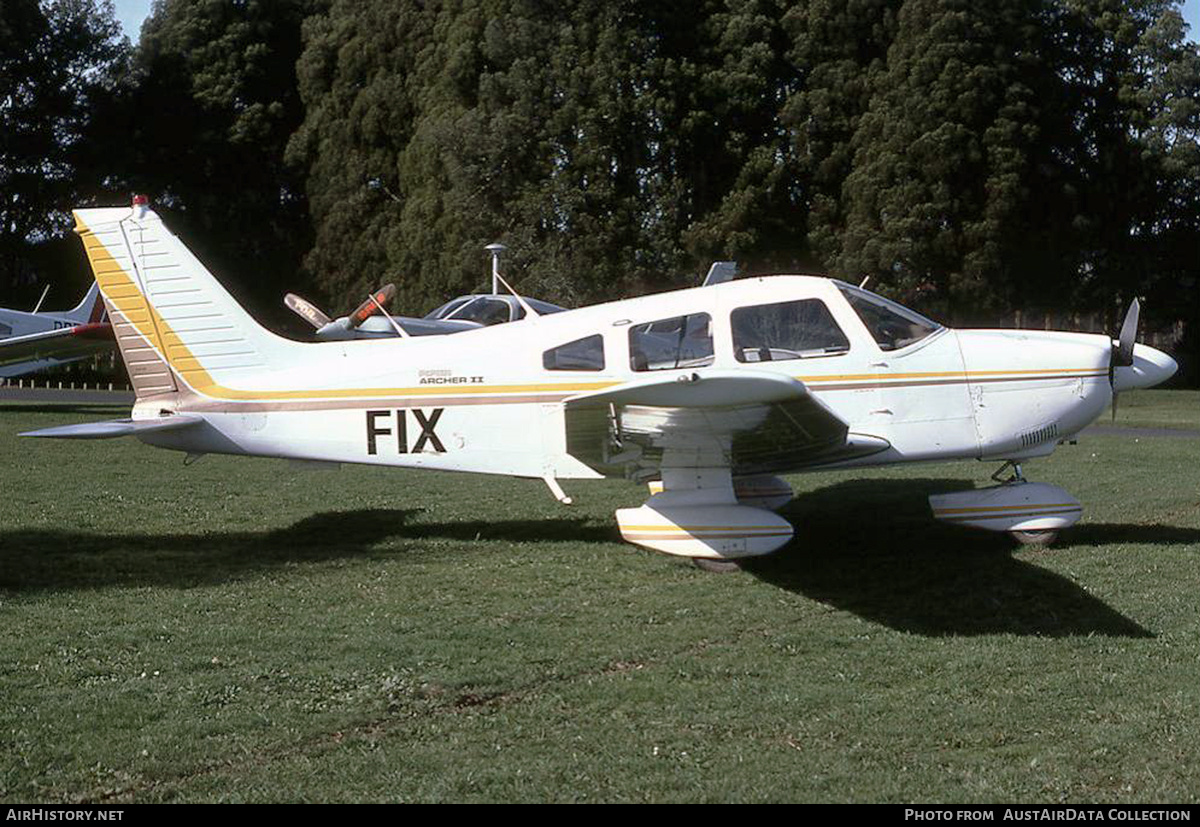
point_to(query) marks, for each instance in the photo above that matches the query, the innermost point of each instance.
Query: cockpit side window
(582, 354)
(786, 330)
(891, 325)
(677, 342)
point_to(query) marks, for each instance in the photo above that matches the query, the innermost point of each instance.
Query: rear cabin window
(581, 354)
(678, 342)
(787, 330)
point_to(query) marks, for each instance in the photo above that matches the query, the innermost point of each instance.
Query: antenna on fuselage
(720, 271)
(862, 284)
(38, 306)
(496, 249)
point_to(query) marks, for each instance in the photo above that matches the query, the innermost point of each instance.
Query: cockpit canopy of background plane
(485, 310)
(455, 316)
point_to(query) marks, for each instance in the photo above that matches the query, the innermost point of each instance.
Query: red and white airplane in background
(34, 341)
(708, 393)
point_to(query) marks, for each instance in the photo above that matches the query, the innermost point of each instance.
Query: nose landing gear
(1032, 512)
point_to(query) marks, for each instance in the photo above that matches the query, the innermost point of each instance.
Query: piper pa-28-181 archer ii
(709, 392)
(34, 341)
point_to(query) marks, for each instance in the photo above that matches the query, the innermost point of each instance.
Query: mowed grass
(241, 631)
(1157, 409)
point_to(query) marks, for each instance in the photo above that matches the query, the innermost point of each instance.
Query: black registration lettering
(428, 435)
(374, 431)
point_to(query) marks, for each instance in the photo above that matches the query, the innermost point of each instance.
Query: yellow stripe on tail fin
(137, 335)
(177, 327)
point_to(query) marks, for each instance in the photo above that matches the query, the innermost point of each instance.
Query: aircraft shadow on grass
(868, 547)
(37, 560)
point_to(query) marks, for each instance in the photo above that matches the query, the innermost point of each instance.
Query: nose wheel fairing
(1021, 507)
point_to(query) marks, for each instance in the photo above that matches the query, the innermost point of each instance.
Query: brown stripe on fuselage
(199, 403)
(195, 403)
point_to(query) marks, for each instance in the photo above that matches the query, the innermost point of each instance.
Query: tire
(1041, 537)
(714, 565)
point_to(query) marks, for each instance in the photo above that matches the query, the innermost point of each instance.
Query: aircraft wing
(64, 343)
(750, 422)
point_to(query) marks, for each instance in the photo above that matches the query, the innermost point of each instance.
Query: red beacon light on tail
(141, 203)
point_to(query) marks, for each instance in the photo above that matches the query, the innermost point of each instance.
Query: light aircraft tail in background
(708, 393)
(35, 341)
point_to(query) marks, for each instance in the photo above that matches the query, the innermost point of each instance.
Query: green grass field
(1158, 409)
(241, 631)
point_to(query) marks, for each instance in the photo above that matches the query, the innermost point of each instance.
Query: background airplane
(709, 391)
(455, 316)
(35, 341)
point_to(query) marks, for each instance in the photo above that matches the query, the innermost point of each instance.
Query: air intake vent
(1043, 434)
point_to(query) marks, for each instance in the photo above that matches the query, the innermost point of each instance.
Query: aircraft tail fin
(177, 328)
(90, 310)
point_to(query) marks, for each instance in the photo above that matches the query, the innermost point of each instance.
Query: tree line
(966, 157)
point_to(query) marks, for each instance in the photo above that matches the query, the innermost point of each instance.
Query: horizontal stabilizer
(117, 427)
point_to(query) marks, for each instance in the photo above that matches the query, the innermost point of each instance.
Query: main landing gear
(705, 514)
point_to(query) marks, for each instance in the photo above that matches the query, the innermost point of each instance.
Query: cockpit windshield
(893, 326)
(448, 308)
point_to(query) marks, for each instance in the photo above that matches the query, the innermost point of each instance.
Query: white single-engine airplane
(34, 341)
(710, 391)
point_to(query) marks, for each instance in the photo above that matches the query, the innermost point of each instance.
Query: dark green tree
(58, 60)
(614, 147)
(942, 156)
(1131, 83)
(212, 107)
(948, 149)
(433, 131)
(837, 55)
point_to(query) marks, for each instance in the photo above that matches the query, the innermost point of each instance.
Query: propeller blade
(1122, 349)
(1123, 355)
(369, 308)
(306, 310)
